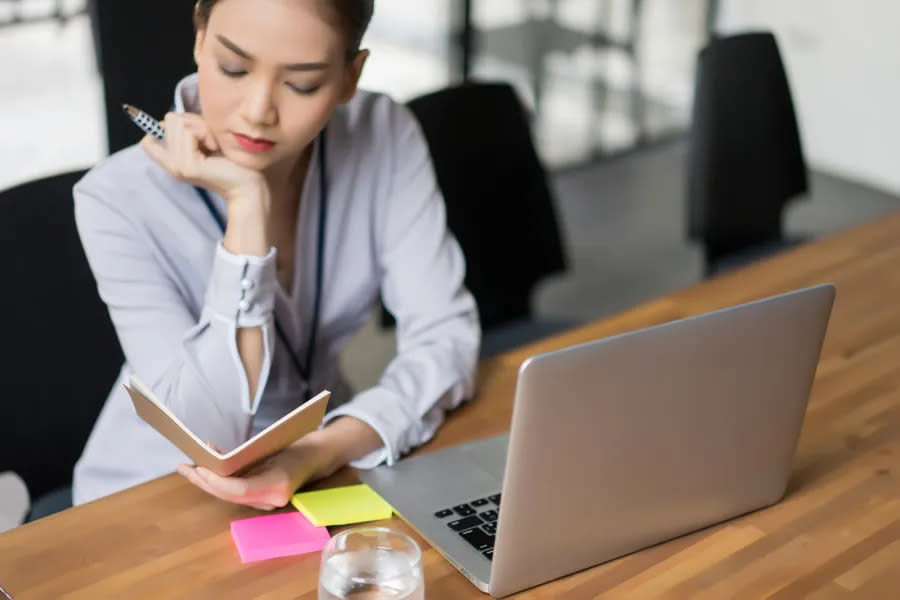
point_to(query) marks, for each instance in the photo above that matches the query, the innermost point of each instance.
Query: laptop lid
(625, 442)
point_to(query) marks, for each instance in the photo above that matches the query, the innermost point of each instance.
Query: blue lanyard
(304, 370)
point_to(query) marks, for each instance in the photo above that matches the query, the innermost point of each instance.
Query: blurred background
(608, 85)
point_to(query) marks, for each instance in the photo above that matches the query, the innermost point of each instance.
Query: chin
(259, 162)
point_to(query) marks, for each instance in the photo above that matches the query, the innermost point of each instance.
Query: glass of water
(372, 563)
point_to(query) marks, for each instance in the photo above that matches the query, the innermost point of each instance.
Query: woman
(239, 256)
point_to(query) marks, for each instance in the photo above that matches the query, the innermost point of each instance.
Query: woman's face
(270, 74)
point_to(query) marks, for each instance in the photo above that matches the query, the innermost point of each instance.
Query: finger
(213, 483)
(156, 150)
(192, 119)
(184, 142)
(199, 127)
(268, 488)
(173, 129)
(183, 145)
(210, 143)
(172, 123)
(190, 473)
(232, 487)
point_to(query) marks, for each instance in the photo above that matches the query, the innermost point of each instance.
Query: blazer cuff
(242, 287)
(365, 407)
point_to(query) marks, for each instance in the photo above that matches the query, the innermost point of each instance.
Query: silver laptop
(622, 443)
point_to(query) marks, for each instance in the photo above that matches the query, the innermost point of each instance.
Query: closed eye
(234, 73)
(303, 90)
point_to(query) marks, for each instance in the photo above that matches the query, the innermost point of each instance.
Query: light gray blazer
(177, 297)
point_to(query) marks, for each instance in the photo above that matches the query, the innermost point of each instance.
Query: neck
(285, 184)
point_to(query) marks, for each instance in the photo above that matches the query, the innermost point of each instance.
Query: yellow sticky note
(342, 506)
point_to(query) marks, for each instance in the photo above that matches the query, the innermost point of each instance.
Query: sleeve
(191, 364)
(438, 332)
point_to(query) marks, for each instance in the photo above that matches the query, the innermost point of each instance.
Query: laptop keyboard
(475, 522)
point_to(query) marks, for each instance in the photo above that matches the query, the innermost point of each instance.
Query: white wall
(843, 63)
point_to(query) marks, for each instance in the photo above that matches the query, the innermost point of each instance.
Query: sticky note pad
(272, 536)
(342, 506)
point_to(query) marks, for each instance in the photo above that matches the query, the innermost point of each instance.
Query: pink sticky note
(271, 536)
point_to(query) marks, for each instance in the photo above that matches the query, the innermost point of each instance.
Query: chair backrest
(141, 62)
(61, 355)
(745, 161)
(499, 204)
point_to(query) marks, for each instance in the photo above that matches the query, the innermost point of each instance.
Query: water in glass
(370, 574)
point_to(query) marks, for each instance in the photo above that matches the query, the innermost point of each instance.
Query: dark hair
(354, 17)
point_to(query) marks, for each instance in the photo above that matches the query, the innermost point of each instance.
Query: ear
(198, 44)
(352, 74)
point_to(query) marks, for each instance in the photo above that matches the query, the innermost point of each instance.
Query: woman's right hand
(191, 154)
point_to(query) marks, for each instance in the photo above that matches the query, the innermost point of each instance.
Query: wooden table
(835, 535)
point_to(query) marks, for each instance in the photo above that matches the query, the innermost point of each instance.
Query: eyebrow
(308, 66)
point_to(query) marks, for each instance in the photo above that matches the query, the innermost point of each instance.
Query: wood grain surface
(836, 534)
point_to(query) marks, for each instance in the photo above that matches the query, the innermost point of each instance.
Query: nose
(259, 107)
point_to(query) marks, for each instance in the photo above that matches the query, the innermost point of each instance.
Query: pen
(6, 594)
(145, 121)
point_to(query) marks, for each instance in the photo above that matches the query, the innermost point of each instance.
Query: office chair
(499, 205)
(745, 161)
(140, 62)
(61, 354)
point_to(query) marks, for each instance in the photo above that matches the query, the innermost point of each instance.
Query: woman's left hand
(271, 483)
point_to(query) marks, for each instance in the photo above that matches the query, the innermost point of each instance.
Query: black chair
(141, 55)
(499, 204)
(745, 161)
(61, 353)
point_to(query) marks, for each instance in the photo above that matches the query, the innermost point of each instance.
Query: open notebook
(283, 432)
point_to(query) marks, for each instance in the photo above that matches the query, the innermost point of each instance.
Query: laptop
(622, 443)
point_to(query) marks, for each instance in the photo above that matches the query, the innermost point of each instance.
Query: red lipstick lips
(253, 144)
